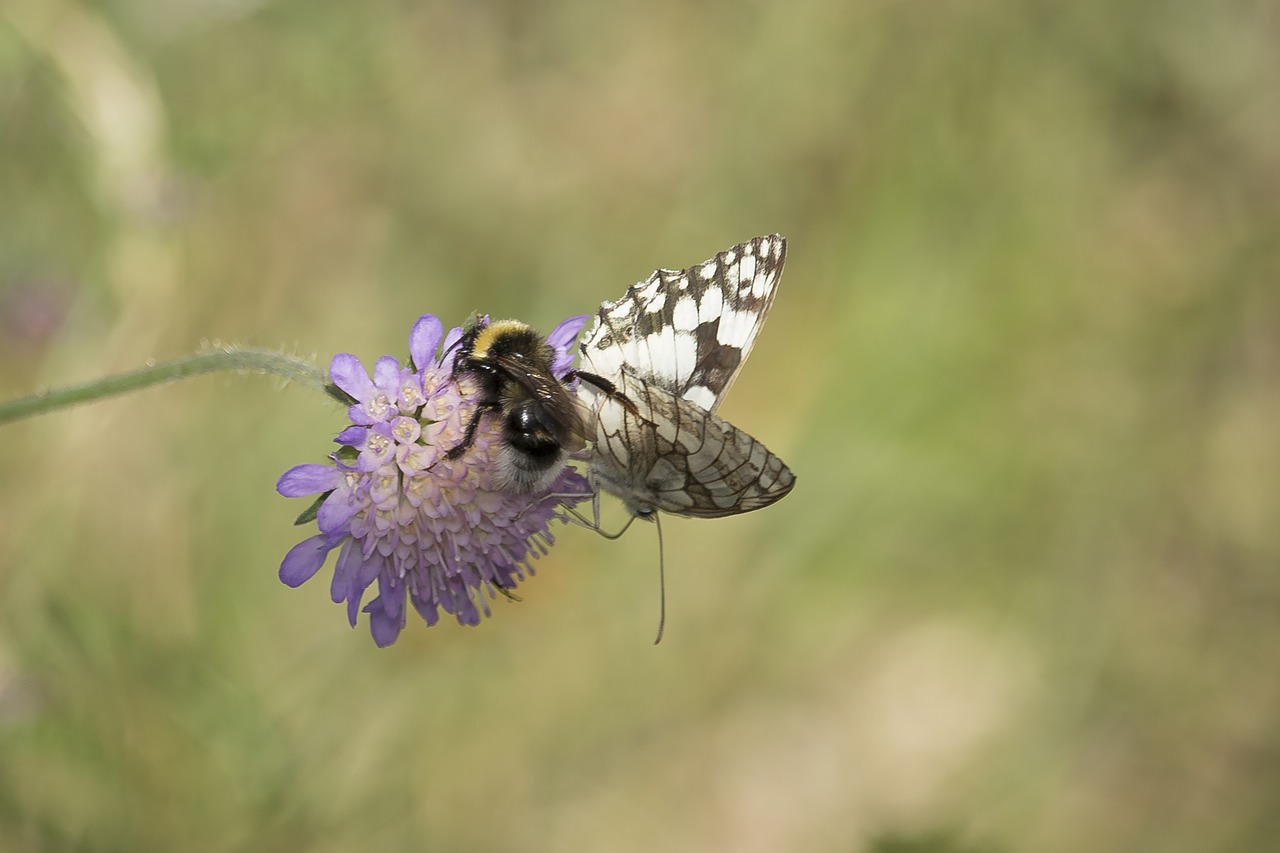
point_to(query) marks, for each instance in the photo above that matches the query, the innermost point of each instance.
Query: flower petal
(335, 512)
(360, 416)
(448, 347)
(309, 479)
(348, 564)
(304, 560)
(386, 375)
(370, 567)
(391, 596)
(427, 609)
(352, 436)
(561, 340)
(384, 625)
(423, 340)
(349, 374)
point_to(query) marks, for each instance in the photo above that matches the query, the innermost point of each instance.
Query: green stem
(256, 360)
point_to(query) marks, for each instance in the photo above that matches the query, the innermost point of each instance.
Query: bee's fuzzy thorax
(509, 337)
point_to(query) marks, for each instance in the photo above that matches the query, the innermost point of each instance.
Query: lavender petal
(423, 340)
(304, 560)
(301, 481)
(349, 374)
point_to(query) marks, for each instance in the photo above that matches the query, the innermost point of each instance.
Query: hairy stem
(227, 358)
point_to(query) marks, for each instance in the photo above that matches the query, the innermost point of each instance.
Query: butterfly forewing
(689, 331)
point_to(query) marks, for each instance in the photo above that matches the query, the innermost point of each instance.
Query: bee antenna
(453, 346)
(662, 582)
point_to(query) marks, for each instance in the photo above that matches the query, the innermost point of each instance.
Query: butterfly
(654, 368)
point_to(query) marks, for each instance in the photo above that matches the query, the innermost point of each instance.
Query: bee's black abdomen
(527, 433)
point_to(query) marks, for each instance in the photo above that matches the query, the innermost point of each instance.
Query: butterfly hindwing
(679, 458)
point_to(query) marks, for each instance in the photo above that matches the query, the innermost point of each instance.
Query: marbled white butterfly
(655, 366)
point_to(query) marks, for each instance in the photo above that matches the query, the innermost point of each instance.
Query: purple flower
(433, 532)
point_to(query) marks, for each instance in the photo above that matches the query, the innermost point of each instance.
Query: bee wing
(679, 458)
(689, 331)
(558, 405)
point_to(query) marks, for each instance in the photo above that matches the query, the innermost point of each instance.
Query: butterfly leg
(594, 525)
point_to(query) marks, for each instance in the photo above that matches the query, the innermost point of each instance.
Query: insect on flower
(541, 422)
(524, 381)
(671, 347)
(437, 531)
(455, 465)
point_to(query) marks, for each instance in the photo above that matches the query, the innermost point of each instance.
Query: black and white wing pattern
(671, 347)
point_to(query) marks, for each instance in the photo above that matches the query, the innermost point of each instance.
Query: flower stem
(226, 358)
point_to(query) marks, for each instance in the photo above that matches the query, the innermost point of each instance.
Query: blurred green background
(1025, 362)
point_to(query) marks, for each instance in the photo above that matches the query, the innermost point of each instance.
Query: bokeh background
(1024, 361)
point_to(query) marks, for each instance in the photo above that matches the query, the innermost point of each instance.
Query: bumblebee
(542, 422)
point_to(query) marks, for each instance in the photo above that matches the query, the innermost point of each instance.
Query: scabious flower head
(432, 532)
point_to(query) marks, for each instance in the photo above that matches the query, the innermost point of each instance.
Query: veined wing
(679, 458)
(689, 331)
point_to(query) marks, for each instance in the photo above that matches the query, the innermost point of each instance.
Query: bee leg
(606, 386)
(506, 592)
(469, 437)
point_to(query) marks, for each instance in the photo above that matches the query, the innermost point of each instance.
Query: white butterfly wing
(690, 331)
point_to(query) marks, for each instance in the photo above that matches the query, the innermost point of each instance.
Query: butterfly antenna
(662, 581)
